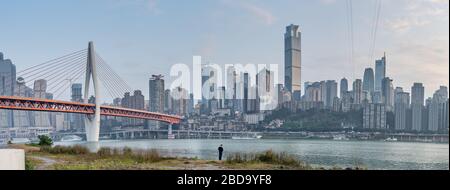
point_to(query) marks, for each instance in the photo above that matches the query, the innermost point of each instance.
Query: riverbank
(79, 158)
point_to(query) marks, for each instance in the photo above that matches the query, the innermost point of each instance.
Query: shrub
(115, 151)
(45, 140)
(127, 151)
(104, 151)
(77, 149)
(147, 156)
(269, 157)
(29, 165)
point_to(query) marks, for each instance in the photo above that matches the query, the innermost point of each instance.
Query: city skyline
(121, 54)
(306, 84)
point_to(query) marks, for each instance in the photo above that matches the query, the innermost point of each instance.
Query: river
(325, 153)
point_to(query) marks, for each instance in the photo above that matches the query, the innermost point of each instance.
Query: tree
(45, 140)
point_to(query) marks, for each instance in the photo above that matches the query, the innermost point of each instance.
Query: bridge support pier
(170, 135)
(92, 122)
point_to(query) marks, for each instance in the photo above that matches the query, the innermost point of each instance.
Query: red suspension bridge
(71, 67)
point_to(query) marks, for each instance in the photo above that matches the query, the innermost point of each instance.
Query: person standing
(220, 152)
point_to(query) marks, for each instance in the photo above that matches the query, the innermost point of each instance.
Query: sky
(138, 38)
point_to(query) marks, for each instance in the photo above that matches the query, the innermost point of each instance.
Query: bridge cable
(56, 70)
(116, 79)
(64, 77)
(375, 29)
(118, 88)
(80, 74)
(29, 79)
(115, 74)
(51, 62)
(107, 83)
(77, 74)
(112, 82)
(69, 83)
(108, 80)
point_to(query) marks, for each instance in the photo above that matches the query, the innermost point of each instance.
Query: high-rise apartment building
(156, 94)
(374, 116)
(401, 110)
(438, 110)
(417, 106)
(357, 92)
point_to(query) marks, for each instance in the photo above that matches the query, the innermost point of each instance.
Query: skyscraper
(380, 72)
(156, 97)
(7, 82)
(401, 108)
(231, 87)
(387, 93)
(221, 96)
(368, 81)
(374, 116)
(77, 95)
(417, 107)
(22, 118)
(246, 93)
(357, 92)
(180, 99)
(331, 93)
(313, 93)
(42, 119)
(292, 59)
(438, 111)
(343, 87)
(168, 101)
(135, 101)
(209, 87)
(266, 96)
(156, 94)
(191, 104)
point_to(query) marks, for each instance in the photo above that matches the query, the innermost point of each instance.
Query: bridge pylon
(92, 122)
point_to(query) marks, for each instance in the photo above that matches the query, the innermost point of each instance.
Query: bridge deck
(34, 104)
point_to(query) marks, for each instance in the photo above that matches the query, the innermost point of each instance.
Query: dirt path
(46, 162)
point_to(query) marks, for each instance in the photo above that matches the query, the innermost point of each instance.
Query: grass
(72, 150)
(267, 157)
(79, 158)
(30, 163)
(140, 156)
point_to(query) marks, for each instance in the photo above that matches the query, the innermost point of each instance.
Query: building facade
(292, 59)
(23, 118)
(380, 72)
(357, 92)
(401, 111)
(42, 119)
(387, 93)
(417, 106)
(374, 117)
(7, 83)
(369, 81)
(438, 110)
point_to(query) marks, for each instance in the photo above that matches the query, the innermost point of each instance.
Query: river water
(327, 153)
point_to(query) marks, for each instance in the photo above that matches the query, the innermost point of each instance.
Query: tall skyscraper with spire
(380, 72)
(292, 60)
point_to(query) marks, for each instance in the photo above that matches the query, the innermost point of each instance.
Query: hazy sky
(143, 37)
